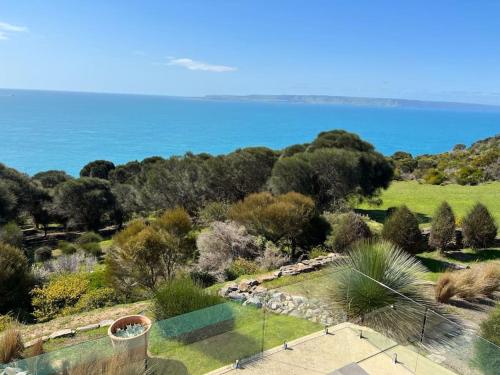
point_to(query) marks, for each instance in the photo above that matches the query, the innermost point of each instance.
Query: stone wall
(252, 292)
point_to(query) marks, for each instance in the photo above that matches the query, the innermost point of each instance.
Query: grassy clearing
(424, 199)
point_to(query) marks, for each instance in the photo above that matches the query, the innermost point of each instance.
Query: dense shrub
(202, 278)
(221, 244)
(434, 177)
(240, 267)
(92, 248)
(468, 175)
(145, 255)
(5, 322)
(280, 217)
(317, 251)
(213, 211)
(15, 279)
(66, 247)
(62, 292)
(11, 345)
(401, 228)
(11, 234)
(93, 299)
(487, 353)
(479, 228)
(442, 227)
(181, 296)
(346, 229)
(89, 237)
(43, 254)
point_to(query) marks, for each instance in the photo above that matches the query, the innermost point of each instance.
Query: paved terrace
(322, 353)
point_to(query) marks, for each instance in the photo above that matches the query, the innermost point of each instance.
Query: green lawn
(424, 199)
(252, 331)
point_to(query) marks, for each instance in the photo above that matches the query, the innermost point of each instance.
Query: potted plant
(130, 334)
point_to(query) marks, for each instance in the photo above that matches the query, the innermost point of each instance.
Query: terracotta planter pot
(136, 347)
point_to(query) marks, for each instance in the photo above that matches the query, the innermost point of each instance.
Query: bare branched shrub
(222, 243)
(70, 263)
(273, 257)
(11, 345)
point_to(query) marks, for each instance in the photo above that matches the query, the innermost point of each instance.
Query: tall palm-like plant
(379, 285)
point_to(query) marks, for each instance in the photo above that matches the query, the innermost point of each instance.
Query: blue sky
(435, 50)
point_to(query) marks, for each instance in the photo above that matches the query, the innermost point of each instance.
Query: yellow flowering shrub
(63, 291)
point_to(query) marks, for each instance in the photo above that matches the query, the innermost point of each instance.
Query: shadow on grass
(381, 215)
(166, 366)
(434, 265)
(376, 215)
(477, 256)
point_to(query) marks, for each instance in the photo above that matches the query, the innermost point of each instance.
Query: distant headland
(354, 101)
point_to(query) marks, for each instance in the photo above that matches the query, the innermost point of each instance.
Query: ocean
(41, 130)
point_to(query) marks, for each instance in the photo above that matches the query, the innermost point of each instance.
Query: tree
(340, 139)
(479, 228)
(128, 202)
(50, 179)
(331, 174)
(401, 228)
(15, 279)
(85, 201)
(7, 203)
(11, 234)
(97, 169)
(17, 193)
(144, 255)
(442, 227)
(281, 217)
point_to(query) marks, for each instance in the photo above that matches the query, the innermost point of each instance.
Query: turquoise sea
(57, 130)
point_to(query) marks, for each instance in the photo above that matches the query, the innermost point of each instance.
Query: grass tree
(380, 284)
(443, 227)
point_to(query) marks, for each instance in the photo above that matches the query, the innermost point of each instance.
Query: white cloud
(200, 65)
(6, 29)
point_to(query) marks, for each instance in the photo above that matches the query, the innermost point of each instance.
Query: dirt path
(33, 331)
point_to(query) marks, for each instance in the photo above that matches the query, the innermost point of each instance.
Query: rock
(237, 296)
(259, 290)
(106, 323)
(89, 327)
(246, 285)
(62, 333)
(278, 296)
(298, 300)
(268, 277)
(253, 301)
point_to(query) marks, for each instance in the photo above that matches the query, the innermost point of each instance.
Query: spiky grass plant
(379, 285)
(11, 345)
